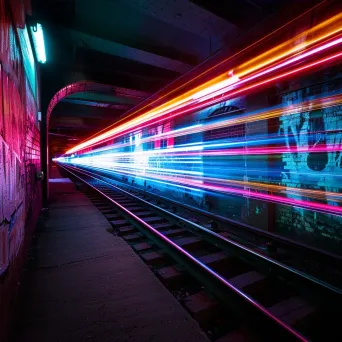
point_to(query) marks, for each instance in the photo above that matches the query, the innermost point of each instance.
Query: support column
(44, 154)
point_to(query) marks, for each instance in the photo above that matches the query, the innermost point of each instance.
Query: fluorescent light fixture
(38, 41)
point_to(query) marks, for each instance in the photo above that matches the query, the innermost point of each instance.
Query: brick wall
(20, 192)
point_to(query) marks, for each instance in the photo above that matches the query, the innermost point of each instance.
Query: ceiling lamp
(38, 41)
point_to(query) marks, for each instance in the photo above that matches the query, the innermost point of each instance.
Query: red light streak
(235, 55)
(199, 104)
(320, 46)
(257, 151)
(310, 105)
(272, 79)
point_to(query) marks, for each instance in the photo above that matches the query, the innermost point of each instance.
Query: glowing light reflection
(181, 157)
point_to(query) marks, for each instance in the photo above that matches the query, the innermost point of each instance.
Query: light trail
(321, 32)
(199, 104)
(201, 185)
(160, 173)
(309, 105)
(248, 166)
(324, 25)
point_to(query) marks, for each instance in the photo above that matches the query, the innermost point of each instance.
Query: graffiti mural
(309, 170)
(19, 136)
(12, 166)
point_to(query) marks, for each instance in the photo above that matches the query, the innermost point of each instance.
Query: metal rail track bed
(236, 292)
(316, 262)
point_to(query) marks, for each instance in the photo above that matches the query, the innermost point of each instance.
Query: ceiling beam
(97, 104)
(106, 97)
(85, 111)
(84, 40)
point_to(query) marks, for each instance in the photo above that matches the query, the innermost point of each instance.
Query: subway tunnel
(170, 170)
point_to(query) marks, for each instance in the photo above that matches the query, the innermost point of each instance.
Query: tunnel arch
(90, 86)
(74, 88)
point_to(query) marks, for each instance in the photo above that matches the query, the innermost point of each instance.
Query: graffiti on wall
(309, 170)
(19, 140)
(12, 167)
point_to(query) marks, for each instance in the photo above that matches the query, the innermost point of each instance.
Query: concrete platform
(88, 285)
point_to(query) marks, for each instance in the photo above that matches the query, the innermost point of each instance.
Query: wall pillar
(44, 135)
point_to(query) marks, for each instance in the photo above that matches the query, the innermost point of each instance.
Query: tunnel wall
(305, 170)
(20, 192)
(302, 170)
(305, 179)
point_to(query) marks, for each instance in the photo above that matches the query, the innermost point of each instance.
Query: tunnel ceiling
(135, 44)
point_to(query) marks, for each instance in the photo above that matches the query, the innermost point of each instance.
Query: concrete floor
(88, 285)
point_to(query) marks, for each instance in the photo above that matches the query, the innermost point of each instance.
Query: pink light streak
(320, 207)
(188, 105)
(260, 151)
(200, 105)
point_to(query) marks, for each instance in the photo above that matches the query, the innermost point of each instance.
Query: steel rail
(280, 241)
(207, 275)
(330, 292)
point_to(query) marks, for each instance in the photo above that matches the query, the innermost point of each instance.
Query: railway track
(234, 291)
(316, 262)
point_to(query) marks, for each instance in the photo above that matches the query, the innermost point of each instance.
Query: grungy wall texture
(20, 192)
(305, 170)
(300, 176)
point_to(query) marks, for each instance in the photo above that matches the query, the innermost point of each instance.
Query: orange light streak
(213, 67)
(310, 105)
(322, 31)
